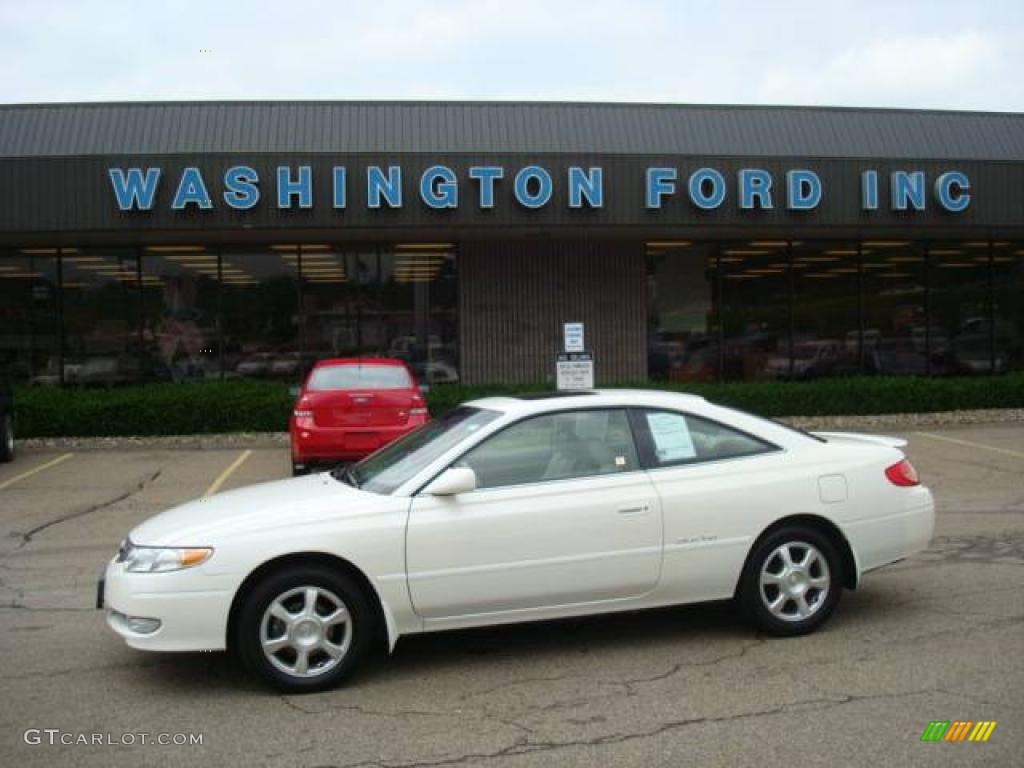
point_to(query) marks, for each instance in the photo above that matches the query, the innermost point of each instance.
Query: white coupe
(519, 509)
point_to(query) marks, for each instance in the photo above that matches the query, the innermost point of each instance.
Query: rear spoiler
(860, 437)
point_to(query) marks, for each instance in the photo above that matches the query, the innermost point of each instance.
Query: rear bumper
(879, 541)
(321, 444)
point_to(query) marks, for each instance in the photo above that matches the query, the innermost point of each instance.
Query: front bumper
(191, 605)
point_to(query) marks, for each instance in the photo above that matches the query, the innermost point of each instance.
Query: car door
(563, 514)
(719, 488)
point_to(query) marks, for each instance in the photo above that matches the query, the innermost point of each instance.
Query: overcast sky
(935, 54)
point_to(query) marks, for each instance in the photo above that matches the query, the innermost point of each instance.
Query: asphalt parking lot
(939, 637)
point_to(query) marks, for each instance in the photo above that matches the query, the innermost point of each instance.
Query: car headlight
(138, 559)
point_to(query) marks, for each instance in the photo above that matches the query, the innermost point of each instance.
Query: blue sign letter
(951, 191)
(522, 187)
(755, 184)
(388, 187)
(803, 190)
(339, 186)
(134, 191)
(439, 188)
(869, 190)
(191, 189)
(287, 188)
(698, 180)
(240, 190)
(660, 182)
(907, 190)
(486, 175)
(588, 185)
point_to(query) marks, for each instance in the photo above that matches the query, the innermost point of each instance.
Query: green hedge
(254, 406)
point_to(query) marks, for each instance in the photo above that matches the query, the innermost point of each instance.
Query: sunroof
(551, 395)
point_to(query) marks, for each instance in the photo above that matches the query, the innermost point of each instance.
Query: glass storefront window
(340, 290)
(959, 308)
(418, 309)
(260, 312)
(896, 330)
(29, 329)
(179, 287)
(1008, 306)
(826, 313)
(755, 309)
(102, 334)
(682, 340)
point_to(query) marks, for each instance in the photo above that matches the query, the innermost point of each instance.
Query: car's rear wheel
(304, 628)
(792, 581)
(6, 437)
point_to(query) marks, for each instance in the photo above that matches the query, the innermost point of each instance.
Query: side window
(557, 446)
(677, 438)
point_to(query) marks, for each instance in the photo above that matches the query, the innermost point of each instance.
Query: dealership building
(191, 241)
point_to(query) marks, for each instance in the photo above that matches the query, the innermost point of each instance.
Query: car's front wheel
(304, 628)
(792, 581)
(6, 437)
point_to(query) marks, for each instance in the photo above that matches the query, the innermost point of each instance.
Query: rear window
(339, 377)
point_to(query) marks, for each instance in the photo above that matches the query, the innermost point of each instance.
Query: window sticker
(672, 441)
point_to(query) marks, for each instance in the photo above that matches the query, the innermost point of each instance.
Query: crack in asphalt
(523, 745)
(27, 537)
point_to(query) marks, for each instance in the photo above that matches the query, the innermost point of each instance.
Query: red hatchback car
(348, 408)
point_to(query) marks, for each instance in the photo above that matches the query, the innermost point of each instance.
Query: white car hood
(261, 507)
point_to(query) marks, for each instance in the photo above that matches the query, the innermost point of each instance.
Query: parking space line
(227, 473)
(40, 468)
(970, 444)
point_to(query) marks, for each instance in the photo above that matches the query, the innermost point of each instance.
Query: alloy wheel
(794, 581)
(306, 631)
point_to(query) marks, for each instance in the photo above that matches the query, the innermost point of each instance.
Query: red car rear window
(341, 377)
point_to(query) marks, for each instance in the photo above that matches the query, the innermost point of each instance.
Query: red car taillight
(902, 474)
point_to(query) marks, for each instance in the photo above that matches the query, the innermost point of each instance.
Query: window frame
(622, 408)
(648, 455)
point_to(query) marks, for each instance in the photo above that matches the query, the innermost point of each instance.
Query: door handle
(633, 510)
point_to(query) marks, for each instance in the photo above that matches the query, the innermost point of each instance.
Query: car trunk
(358, 408)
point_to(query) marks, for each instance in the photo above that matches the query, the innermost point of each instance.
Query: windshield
(338, 377)
(388, 468)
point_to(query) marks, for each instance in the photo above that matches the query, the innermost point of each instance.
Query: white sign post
(575, 370)
(573, 336)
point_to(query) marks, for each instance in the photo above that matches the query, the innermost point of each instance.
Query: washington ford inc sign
(533, 187)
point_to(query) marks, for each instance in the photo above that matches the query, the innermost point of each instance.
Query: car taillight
(302, 414)
(902, 474)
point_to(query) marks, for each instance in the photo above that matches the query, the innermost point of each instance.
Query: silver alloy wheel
(795, 581)
(306, 631)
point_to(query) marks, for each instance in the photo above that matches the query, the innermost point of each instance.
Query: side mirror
(452, 482)
(294, 390)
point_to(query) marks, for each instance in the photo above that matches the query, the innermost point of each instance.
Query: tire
(299, 469)
(6, 437)
(791, 599)
(289, 589)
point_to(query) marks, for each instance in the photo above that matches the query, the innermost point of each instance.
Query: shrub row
(254, 406)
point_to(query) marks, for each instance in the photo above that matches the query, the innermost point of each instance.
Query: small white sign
(574, 371)
(573, 337)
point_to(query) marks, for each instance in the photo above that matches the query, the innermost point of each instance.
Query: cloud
(922, 71)
(915, 53)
